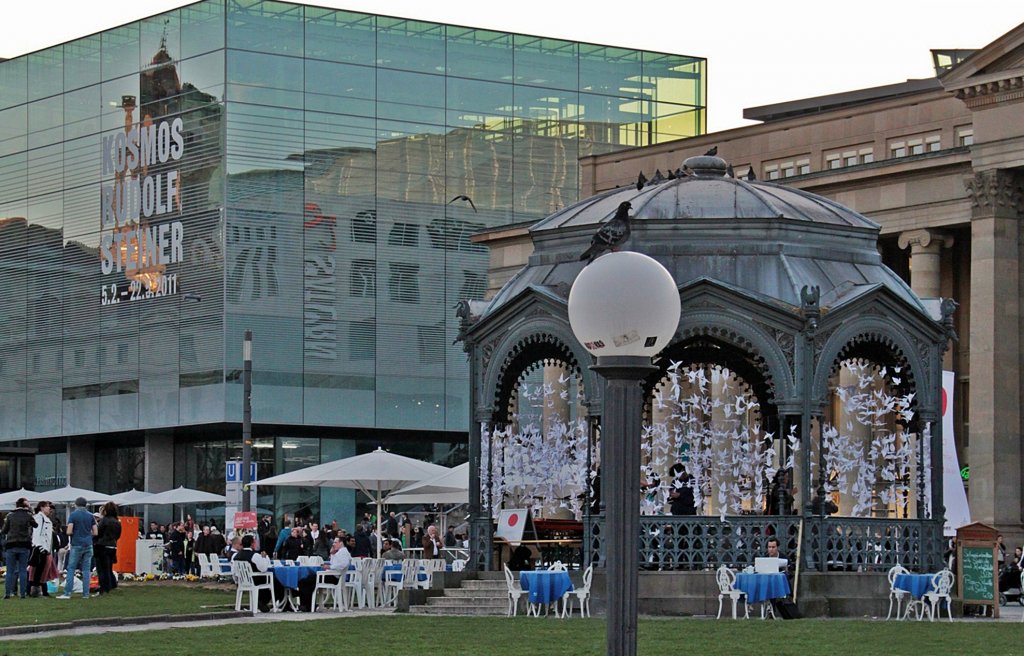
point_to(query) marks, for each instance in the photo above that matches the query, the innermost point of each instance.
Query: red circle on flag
(513, 519)
(944, 401)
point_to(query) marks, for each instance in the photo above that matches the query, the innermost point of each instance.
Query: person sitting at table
(260, 565)
(340, 559)
(391, 550)
(521, 559)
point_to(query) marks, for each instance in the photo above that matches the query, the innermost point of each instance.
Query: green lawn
(127, 601)
(401, 635)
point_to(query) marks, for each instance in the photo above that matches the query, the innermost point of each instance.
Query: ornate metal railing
(859, 544)
(847, 544)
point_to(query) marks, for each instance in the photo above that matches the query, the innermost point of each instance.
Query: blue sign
(233, 471)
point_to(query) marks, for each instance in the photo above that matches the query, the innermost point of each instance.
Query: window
(933, 143)
(852, 157)
(771, 172)
(363, 279)
(430, 340)
(404, 284)
(364, 227)
(122, 353)
(898, 149)
(915, 146)
(965, 136)
(474, 285)
(404, 234)
(79, 357)
(803, 166)
(788, 170)
(188, 348)
(362, 339)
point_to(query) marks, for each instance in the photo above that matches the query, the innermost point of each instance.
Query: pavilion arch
(875, 338)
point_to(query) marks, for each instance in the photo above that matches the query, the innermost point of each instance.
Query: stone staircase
(485, 595)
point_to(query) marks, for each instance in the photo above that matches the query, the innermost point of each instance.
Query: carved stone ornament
(996, 190)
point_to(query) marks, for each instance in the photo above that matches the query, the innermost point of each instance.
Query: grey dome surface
(762, 239)
(709, 194)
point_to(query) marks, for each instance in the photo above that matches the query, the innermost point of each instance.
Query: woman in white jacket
(42, 547)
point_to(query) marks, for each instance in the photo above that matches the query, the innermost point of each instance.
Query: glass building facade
(236, 164)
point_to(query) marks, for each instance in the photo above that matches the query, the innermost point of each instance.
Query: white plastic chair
(251, 582)
(206, 570)
(514, 592)
(894, 594)
(942, 583)
(459, 565)
(557, 566)
(355, 584)
(582, 595)
(309, 561)
(726, 579)
(335, 591)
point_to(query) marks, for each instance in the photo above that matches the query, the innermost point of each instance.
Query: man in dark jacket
(18, 527)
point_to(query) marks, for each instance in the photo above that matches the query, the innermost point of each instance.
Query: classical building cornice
(999, 87)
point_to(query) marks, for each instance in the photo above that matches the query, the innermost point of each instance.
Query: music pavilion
(234, 164)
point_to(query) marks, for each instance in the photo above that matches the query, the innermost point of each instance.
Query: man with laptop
(773, 563)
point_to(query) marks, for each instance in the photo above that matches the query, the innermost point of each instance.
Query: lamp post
(623, 308)
(246, 418)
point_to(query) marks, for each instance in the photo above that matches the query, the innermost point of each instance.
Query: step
(441, 610)
(481, 585)
(476, 592)
(465, 601)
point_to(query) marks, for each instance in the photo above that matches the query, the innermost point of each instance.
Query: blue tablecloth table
(545, 587)
(289, 576)
(916, 584)
(762, 587)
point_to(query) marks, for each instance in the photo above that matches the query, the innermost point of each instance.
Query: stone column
(925, 273)
(81, 458)
(159, 471)
(995, 345)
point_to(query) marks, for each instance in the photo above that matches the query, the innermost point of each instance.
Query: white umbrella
(400, 498)
(132, 497)
(10, 498)
(374, 474)
(182, 496)
(455, 479)
(68, 494)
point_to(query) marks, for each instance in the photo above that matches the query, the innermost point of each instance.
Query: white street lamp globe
(624, 303)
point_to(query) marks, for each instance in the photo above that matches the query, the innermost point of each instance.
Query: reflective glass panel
(410, 45)
(82, 62)
(159, 38)
(264, 79)
(272, 27)
(202, 27)
(546, 62)
(13, 82)
(610, 71)
(120, 51)
(479, 54)
(341, 36)
(45, 73)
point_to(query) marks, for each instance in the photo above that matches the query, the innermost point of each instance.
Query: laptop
(769, 565)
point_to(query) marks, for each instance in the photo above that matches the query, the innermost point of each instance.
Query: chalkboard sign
(977, 567)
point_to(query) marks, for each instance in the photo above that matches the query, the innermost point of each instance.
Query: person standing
(107, 534)
(42, 549)
(18, 527)
(432, 544)
(81, 528)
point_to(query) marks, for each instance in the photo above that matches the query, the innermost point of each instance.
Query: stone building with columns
(939, 164)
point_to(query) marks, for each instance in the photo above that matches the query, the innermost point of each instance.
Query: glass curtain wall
(348, 137)
(110, 196)
(238, 164)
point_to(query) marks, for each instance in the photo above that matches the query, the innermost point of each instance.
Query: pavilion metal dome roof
(760, 238)
(708, 193)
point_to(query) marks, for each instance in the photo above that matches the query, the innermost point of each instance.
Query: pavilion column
(925, 260)
(994, 451)
(81, 462)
